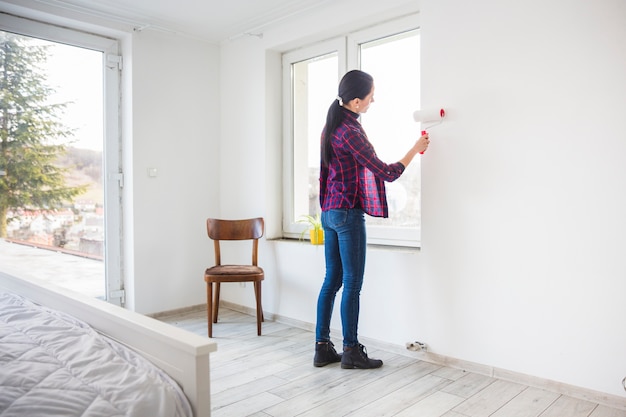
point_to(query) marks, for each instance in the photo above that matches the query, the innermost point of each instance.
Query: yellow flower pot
(317, 236)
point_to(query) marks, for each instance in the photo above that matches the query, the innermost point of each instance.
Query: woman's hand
(422, 143)
(418, 147)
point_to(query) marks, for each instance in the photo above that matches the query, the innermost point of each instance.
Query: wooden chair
(218, 230)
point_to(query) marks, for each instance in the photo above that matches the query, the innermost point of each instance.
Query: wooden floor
(273, 375)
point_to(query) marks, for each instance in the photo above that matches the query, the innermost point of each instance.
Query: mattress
(52, 364)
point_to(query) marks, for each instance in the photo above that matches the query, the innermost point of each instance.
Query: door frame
(113, 179)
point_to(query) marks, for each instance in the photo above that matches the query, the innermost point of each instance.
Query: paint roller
(431, 118)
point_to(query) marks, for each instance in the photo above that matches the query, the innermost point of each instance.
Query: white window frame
(112, 139)
(338, 45)
(347, 47)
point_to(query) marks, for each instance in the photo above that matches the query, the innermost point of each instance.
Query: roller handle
(423, 133)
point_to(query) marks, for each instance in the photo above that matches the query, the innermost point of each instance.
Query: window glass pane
(314, 84)
(52, 172)
(394, 63)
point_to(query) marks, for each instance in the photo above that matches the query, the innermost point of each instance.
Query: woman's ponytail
(355, 84)
(333, 119)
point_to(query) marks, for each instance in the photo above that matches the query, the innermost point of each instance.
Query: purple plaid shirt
(355, 177)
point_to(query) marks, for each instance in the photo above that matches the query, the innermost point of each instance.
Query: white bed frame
(182, 354)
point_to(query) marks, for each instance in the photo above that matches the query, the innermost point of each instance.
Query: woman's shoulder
(347, 132)
(352, 125)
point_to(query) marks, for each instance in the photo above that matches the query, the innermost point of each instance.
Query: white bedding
(52, 364)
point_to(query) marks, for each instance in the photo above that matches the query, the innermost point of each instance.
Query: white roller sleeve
(431, 115)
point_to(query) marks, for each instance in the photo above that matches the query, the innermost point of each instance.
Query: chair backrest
(246, 229)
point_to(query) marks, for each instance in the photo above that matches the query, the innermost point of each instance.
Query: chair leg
(259, 309)
(216, 302)
(209, 307)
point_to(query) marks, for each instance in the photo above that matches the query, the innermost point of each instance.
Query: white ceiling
(211, 20)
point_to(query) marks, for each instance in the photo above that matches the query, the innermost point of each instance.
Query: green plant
(314, 222)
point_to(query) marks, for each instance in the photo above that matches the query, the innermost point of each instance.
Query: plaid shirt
(355, 176)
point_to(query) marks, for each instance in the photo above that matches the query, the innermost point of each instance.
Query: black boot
(356, 357)
(325, 353)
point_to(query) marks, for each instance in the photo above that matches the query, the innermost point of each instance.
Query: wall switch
(153, 172)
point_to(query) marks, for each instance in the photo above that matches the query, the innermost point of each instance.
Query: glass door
(60, 175)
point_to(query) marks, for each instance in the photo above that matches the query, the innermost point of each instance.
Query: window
(390, 53)
(83, 72)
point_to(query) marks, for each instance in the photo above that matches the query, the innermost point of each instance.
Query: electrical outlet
(416, 346)
(242, 284)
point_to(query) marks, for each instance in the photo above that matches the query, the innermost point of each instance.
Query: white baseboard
(183, 310)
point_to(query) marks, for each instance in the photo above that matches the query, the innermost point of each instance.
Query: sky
(76, 74)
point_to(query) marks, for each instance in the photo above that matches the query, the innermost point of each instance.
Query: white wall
(523, 226)
(175, 129)
(523, 232)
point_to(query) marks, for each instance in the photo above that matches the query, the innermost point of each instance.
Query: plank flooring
(273, 376)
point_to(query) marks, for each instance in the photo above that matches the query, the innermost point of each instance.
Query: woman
(351, 185)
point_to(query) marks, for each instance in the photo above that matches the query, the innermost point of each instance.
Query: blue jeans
(344, 246)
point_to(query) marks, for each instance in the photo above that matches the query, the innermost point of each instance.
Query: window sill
(372, 246)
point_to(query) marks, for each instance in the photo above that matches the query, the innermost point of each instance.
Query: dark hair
(354, 84)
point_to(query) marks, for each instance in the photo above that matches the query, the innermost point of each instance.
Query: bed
(56, 344)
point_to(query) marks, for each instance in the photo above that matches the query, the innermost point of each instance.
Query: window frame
(291, 228)
(112, 147)
(347, 47)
